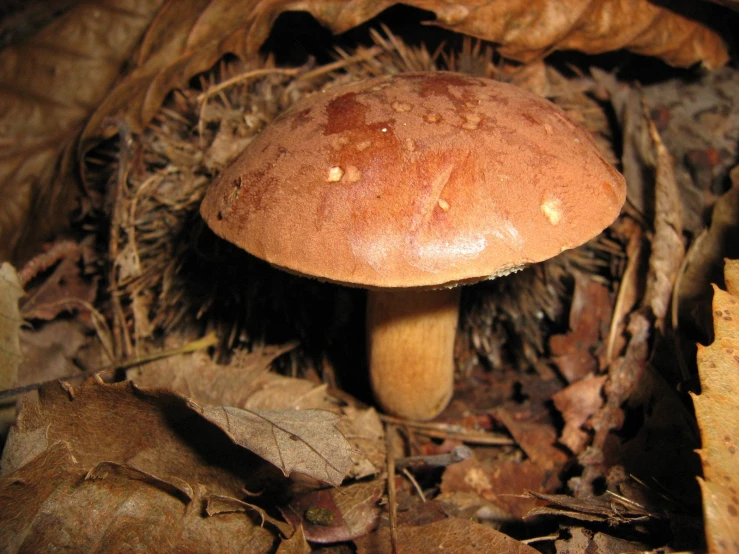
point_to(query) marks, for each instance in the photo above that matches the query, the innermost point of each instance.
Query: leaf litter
(512, 399)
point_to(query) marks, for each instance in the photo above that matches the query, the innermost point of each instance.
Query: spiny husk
(169, 271)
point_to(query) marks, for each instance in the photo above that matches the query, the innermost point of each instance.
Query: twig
(202, 97)
(361, 56)
(122, 340)
(458, 454)
(415, 484)
(208, 340)
(392, 500)
(445, 431)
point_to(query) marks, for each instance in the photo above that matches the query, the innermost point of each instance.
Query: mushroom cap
(415, 180)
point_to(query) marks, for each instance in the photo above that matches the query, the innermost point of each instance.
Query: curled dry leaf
(53, 504)
(187, 38)
(50, 84)
(531, 29)
(302, 441)
(667, 244)
(718, 418)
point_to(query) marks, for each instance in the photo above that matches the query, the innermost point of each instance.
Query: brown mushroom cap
(415, 180)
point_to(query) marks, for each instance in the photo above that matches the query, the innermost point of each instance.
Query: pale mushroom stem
(410, 337)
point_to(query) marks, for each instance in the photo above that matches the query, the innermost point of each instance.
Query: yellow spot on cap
(353, 174)
(444, 205)
(335, 174)
(552, 209)
(472, 120)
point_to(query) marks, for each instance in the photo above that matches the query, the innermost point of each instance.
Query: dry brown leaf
(537, 440)
(10, 326)
(503, 483)
(152, 431)
(668, 248)
(53, 504)
(590, 315)
(705, 261)
(301, 441)
(50, 84)
(295, 544)
(532, 29)
(49, 350)
(206, 382)
(577, 403)
(10, 347)
(449, 536)
(336, 515)
(718, 418)
(188, 37)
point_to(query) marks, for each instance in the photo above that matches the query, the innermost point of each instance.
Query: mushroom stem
(410, 337)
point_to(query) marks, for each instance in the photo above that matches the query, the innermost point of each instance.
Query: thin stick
(205, 342)
(415, 484)
(245, 77)
(458, 454)
(392, 501)
(444, 431)
(362, 55)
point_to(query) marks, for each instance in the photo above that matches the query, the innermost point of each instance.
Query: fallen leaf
(53, 504)
(502, 483)
(590, 316)
(50, 350)
(336, 515)
(11, 355)
(206, 382)
(718, 418)
(188, 38)
(302, 441)
(10, 325)
(49, 90)
(365, 432)
(449, 536)
(530, 30)
(153, 431)
(667, 245)
(538, 440)
(577, 403)
(705, 263)
(295, 544)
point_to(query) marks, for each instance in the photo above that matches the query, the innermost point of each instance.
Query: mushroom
(409, 185)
